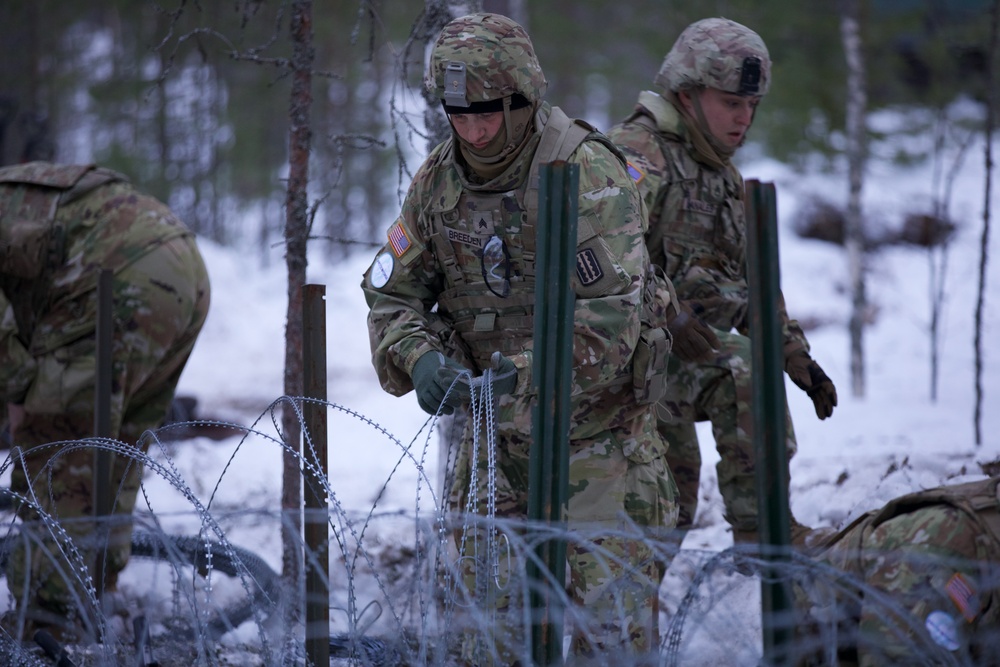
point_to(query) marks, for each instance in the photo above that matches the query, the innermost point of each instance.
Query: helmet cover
(483, 58)
(717, 53)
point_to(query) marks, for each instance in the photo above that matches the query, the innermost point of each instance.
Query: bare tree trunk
(513, 9)
(984, 241)
(296, 233)
(938, 236)
(936, 286)
(437, 14)
(854, 234)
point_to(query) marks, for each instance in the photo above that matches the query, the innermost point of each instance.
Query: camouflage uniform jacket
(980, 501)
(59, 226)
(697, 222)
(427, 288)
(952, 537)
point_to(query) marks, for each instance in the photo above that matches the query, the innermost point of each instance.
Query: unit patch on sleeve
(588, 269)
(381, 270)
(399, 240)
(636, 173)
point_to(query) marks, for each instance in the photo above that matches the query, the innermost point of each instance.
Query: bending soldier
(922, 583)
(59, 226)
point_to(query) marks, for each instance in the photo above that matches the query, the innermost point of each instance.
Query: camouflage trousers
(618, 508)
(719, 391)
(160, 303)
(919, 588)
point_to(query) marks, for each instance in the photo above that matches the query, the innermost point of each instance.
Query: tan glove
(694, 340)
(810, 378)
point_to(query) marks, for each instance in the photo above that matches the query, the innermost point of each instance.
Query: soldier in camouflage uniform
(915, 582)
(679, 142)
(455, 284)
(60, 225)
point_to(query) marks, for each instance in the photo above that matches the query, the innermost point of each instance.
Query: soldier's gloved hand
(693, 339)
(433, 375)
(504, 374)
(810, 378)
(504, 380)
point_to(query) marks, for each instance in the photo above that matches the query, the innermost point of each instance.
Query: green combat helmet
(483, 58)
(717, 53)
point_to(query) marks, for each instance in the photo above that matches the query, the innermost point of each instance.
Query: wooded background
(264, 123)
(191, 98)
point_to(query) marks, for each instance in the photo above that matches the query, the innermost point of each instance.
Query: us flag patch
(964, 596)
(588, 269)
(398, 239)
(634, 171)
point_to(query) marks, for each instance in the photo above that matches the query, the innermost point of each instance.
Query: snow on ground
(890, 441)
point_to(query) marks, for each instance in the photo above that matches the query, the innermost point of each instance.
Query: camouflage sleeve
(647, 166)
(608, 293)
(401, 288)
(928, 562)
(793, 335)
(17, 366)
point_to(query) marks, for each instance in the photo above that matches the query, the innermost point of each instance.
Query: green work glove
(504, 374)
(810, 378)
(694, 340)
(433, 375)
(504, 381)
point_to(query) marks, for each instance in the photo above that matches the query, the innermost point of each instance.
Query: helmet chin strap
(509, 126)
(509, 140)
(720, 148)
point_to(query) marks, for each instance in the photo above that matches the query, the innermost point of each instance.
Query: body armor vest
(32, 237)
(979, 501)
(61, 224)
(463, 224)
(460, 227)
(703, 238)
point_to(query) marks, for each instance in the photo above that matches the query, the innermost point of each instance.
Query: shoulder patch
(588, 269)
(381, 270)
(943, 630)
(634, 171)
(399, 239)
(963, 594)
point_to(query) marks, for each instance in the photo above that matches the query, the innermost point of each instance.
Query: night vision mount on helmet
(717, 53)
(483, 58)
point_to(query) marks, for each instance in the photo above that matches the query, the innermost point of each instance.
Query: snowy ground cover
(383, 449)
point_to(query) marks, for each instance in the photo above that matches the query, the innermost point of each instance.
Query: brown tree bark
(984, 241)
(856, 148)
(296, 233)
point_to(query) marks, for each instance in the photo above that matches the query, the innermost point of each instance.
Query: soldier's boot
(22, 626)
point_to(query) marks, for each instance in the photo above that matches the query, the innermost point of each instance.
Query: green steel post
(316, 527)
(103, 458)
(559, 183)
(769, 422)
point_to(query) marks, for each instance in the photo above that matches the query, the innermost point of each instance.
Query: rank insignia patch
(588, 269)
(398, 239)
